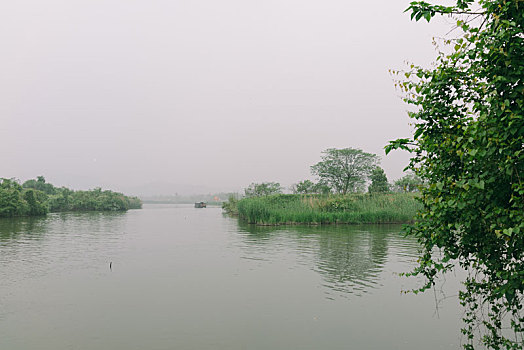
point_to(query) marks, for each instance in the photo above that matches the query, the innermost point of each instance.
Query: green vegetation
(263, 189)
(379, 181)
(308, 187)
(36, 197)
(334, 199)
(468, 146)
(345, 170)
(318, 209)
(231, 205)
(408, 183)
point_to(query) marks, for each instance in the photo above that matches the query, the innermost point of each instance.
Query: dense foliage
(263, 189)
(379, 181)
(309, 187)
(36, 197)
(12, 201)
(41, 185)
(468, 146)
(332, 209)
(230, 206)
(345, 170)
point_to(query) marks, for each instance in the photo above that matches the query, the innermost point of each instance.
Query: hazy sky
(211, 93)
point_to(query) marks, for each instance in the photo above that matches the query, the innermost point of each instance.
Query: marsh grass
(334, 209)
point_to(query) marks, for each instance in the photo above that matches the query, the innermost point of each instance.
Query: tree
(468, 146)
(379, 181)
(17, 200)
(263, 189)
(11, 201)
(303, 187)
(321, 188)
(36, 201)
(40, 185)
(308, 186)
(408, 183)
(345, 170)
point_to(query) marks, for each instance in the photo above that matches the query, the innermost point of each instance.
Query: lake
(186, 278)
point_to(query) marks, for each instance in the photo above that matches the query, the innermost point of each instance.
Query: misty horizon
(204, 95)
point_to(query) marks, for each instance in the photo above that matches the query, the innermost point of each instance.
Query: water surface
(186, 278)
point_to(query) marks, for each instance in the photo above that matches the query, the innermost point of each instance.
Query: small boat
(200, 205)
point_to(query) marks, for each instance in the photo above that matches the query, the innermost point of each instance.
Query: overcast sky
(212, 94)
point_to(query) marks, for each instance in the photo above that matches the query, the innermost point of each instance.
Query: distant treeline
(37, 197)
(212, 198)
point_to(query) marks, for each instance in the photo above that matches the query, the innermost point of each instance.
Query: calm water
(186, 278)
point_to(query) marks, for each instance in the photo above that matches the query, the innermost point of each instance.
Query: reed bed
(288, 209)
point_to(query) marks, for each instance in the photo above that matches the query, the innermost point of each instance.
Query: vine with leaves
(468, 147)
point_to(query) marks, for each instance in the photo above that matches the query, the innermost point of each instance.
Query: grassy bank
(333, 209)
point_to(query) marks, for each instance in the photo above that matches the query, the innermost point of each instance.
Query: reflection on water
(350, 258)
(186, 278)
(11, 229)
(351, 261)
(32, 246)
(14, 229)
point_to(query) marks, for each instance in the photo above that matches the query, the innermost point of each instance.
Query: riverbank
(36, 197)
(290, 209)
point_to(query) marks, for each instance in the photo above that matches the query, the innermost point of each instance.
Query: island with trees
(339, 196)
(38, 197)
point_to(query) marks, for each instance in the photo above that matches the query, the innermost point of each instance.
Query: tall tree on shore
(379, 181)
(468, 147)
(345, 170)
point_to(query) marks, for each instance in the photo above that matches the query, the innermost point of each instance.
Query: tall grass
(333, 209)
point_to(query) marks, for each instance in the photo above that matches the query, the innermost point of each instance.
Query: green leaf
(468, 130)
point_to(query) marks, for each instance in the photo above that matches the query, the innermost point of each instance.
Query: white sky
(209, 93)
